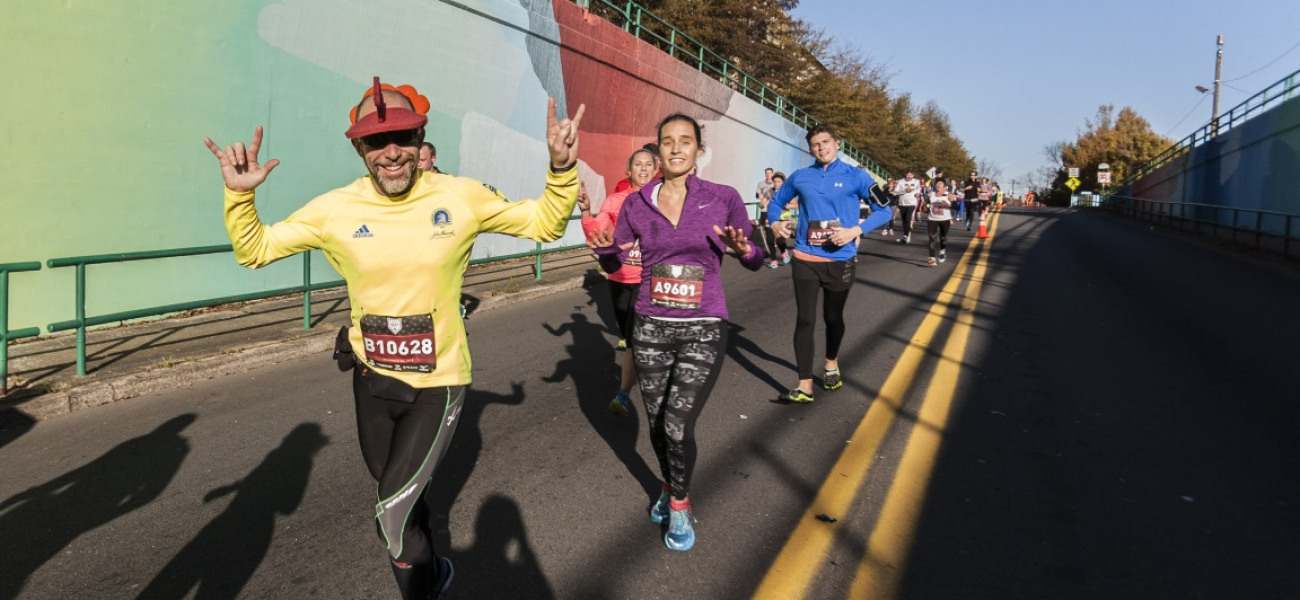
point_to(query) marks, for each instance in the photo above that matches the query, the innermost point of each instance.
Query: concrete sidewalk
(141, 358)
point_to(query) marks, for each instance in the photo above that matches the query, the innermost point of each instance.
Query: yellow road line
(805, 551)
(881, 569)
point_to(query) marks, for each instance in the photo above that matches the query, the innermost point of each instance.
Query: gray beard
(394, 186)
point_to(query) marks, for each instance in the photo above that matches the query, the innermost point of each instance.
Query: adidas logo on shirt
(363, 232)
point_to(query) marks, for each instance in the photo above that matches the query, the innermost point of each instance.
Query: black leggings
(677, 363)
(938, 231)
(402, 441)
(905, 213)
(623, 297)
(770, 241)
(810, 278)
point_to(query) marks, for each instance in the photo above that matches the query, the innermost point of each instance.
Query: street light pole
(1218, 75)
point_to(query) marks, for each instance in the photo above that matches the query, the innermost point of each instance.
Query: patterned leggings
(677, 364)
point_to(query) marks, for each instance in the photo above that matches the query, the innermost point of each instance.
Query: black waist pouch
(380, 386)
(343, 350)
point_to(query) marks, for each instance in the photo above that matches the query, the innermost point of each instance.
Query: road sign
(1072, 183)
(931, 173)
(1103, 177)
(1074, 172)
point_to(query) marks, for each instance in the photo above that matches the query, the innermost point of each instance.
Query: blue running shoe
(621, 404)
(659, 512)
(681, 532)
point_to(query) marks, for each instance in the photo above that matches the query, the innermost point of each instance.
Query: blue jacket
(826, 194)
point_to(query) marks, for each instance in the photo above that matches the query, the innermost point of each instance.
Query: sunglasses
(406, 137)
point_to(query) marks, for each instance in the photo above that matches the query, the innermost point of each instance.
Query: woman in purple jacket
(685, 225)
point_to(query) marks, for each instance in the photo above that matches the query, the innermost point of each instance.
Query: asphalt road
(1109, 412)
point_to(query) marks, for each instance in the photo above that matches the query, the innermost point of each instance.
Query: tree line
(834, 83)
(1123, 140)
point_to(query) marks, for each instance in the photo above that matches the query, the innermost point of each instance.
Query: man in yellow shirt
(401, 237)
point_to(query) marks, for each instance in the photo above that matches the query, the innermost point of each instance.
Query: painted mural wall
(1255, 165)
(107, 104)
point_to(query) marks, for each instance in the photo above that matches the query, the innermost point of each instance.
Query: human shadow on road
(501, 563)
(13, 425)
(598, 297)
(221, 559)
(736, 343)
(461, 458)
(39, 522)
(595, 379)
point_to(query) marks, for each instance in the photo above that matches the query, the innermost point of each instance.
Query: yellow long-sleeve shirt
(404, 256)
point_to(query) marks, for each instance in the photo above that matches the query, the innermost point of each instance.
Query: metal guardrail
(652, 29)
(5, 333)
(1280, 91)
(82, 322)
(1261, 225)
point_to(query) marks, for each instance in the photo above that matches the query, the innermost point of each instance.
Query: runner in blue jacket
(825, 250)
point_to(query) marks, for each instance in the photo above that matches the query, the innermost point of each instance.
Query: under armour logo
(839, 184)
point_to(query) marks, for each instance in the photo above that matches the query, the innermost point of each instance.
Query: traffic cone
(983, 232)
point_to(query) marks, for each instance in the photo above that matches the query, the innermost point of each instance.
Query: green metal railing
(652, 29)
(5, 333)
(1280, 91)
(82, 321)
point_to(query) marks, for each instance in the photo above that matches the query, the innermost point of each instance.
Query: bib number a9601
(677, 286)
(400, 343)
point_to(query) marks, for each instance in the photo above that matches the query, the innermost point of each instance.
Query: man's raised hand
(562, 136)
(239, 166)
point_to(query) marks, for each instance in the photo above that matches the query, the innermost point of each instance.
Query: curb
(185, 374)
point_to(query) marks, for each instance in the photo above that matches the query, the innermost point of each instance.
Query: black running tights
(806, 288)
(402, 443)
(677, 363)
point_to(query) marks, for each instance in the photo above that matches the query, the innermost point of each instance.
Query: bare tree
(988, 168)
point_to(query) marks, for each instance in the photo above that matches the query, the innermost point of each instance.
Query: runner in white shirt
(940, 221)
(908, 190)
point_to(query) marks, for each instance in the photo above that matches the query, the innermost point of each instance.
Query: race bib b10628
(399, 343)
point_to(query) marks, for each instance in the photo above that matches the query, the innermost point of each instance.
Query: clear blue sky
(1016, 75)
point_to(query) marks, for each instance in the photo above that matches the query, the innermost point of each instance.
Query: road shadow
(221, 559)
(39, 522)
(595, 380)
(736, 343)
(597, 287)
(1108, 449)
(13, 425)
(501, 563)
(459, 462)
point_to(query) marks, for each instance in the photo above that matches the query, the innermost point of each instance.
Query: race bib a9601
(677, 286)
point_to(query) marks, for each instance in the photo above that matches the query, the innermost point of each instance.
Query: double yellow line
(881, 568)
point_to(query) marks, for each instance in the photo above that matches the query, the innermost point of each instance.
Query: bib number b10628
(400, 343)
